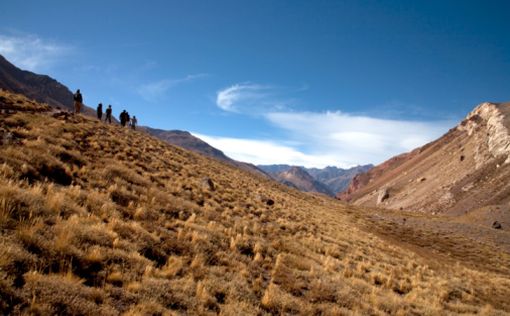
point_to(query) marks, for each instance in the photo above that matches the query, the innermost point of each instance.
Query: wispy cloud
(250, 98)
(156, 90)
(32, 52)
(357, 139)
(317, 139)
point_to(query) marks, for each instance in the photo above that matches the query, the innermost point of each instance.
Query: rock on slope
(101, 220)
(466, 169)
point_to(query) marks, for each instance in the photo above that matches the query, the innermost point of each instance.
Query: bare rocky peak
(489, 124)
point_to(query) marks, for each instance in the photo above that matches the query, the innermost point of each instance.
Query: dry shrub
(114, 170)
(15, 261)
(279, 301)
(149, 308)
(121, 195)
(173, 267)
(20, 205)
(60, 294)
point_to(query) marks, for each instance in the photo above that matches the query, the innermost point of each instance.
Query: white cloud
(357, 139)
(331, 139)
(31, 52)
(250, 98)
(318, 139)
(263, 152)
(154, 91)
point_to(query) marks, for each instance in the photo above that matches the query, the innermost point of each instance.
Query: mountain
(41, 88)
(297, 177)
(337, 179)
(101, 220)
(186, 140)
(466, 170)
(332, 178)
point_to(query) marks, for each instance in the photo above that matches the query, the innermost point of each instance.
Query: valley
(100, 219)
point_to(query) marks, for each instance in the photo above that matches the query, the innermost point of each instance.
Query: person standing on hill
(108, 114)
(100, 111)
(123, 117)
(134, 121)
(78, 101)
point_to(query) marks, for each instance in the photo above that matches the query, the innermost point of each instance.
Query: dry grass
(96, 219)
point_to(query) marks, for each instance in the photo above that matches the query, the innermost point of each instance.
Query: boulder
(208, 184)
(496, 225)
(383, 195)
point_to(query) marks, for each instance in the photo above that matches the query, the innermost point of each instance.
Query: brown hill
(466, 169)
(101, 220)
(298, 178)
(41, 88)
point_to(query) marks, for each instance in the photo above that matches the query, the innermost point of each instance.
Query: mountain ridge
(298, 177)
(333, 178)
(463, 171)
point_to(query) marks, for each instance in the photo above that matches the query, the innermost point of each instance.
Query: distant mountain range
(329, 180)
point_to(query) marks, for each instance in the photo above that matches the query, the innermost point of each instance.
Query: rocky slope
(465, 170)
(333, 178)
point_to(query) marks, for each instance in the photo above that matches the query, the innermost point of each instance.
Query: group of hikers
(124, 117)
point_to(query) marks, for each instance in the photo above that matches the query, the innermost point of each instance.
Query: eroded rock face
(488, 123)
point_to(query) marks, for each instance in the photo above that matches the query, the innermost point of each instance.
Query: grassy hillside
(96, 219)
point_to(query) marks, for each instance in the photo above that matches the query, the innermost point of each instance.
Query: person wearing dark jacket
(100, 111)
(78, 101)
(124, 118)
(108, 114)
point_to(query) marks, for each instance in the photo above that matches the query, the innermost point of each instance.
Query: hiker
(100, 111)
(108, 114)
(134, 121)
(123, 117)
(78, 101)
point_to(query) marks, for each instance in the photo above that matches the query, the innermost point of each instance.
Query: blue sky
(312, 83)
